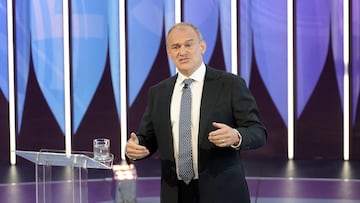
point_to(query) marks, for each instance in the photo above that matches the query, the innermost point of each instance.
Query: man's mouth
(184, 60)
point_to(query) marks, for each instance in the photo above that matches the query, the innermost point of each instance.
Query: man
(224, 120)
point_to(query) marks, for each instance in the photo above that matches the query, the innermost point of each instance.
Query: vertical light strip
(67, 90)
(234, 41)
(177, 11)
(123, 73)
(11, 75)
(346, 42)
(290, 65)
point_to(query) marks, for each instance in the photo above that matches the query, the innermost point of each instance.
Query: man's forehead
(182, 41)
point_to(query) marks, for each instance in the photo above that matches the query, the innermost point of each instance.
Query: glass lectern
(74, 189)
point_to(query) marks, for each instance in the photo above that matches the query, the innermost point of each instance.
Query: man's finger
(134, 138)
(219, 125)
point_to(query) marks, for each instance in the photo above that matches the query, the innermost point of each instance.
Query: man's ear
(203, 46)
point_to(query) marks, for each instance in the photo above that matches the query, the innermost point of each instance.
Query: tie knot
(187, 82)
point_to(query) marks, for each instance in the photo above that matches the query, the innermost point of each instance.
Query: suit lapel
(164, 113)
(210, 93)
(166, 95)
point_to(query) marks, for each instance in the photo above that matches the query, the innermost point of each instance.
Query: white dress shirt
(196, 92)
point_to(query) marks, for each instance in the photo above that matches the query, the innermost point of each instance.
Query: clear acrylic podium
(73, 190)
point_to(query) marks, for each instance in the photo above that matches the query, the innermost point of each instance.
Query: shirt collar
(198, 75)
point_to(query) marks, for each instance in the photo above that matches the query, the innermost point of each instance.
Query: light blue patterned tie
(186, 171)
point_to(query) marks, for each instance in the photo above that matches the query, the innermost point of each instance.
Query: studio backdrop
(261, 53)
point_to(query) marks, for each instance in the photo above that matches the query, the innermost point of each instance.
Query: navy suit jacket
(225, 99)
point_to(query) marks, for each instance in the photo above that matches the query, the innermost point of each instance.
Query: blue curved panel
(206, 21)
(4, 86)
(337, 44)
(145, 28)
(225, 27)
(113, 19)
(246, 38)
(22, 51)
(169, 12)
(47, 54)
(355, 37)
(89, 51)
(313, 30)
(269, 25)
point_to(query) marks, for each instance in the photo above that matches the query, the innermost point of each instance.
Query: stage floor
(270, 181)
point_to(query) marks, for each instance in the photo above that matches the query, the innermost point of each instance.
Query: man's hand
(224, 136)
(134, 150)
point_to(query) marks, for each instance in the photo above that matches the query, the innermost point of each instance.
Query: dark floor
(270, 181)
(24, 171)
(279, 168)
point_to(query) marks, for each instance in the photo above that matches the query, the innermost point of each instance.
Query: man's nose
(182, 50)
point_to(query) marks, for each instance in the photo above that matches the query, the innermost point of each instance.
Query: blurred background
(247, 37)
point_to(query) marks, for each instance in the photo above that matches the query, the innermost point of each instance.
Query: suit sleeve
(146, 134)
(247, 116)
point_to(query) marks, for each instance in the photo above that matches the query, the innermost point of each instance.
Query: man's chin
(184, 67)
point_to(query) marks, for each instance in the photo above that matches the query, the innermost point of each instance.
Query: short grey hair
(183, 24)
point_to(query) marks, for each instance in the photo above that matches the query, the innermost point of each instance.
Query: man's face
(185, 49)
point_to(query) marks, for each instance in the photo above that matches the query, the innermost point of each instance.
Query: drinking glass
(101, 149)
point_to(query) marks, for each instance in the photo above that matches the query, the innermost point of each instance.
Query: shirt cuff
(238, 145)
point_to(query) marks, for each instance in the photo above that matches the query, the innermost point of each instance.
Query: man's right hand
(134, 150)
